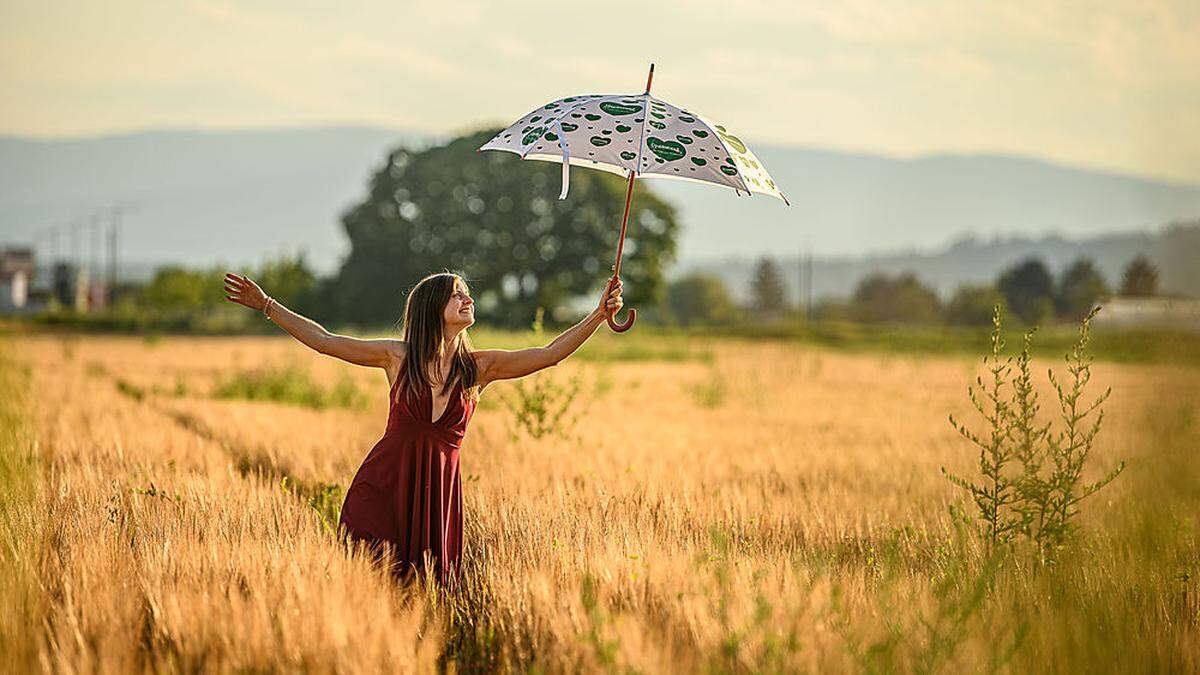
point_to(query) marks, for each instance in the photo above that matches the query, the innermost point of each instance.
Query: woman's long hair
(422, 330)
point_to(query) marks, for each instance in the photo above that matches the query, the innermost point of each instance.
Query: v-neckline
(433, 399)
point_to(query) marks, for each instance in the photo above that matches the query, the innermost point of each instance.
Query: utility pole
(800, 283)
(55, 232)
(809, 289)
(114, 233)
(76, 250)
(94, 258)
(113, 229)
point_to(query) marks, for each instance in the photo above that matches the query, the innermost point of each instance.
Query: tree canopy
(768, 291)
(1080, 287)
(1028, 290)
(900, 299)
(973, 305)
(1140, 278)
(698, 299)
(498, 221)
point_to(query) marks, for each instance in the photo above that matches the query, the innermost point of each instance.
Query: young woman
(406, 498)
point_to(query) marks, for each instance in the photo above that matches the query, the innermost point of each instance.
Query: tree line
(1027, 290)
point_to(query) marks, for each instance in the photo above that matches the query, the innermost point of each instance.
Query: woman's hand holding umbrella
(610, 300)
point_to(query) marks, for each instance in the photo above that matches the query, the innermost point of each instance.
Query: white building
(16, 274)
(1152, 312)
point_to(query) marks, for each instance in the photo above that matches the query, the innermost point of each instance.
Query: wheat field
(740, 507)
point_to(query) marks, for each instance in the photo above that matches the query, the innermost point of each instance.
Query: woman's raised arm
(380, 353)
(502, 364)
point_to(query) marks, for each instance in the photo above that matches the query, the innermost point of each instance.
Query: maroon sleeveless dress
(406, 497)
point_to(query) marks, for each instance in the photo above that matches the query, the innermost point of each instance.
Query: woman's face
(460, 309)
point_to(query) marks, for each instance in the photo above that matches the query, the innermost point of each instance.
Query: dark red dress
(406, 497)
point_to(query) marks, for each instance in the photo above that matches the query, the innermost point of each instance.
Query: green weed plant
(1030, 473)
(541, 404)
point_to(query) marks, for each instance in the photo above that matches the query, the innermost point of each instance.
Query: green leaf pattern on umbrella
(711, 153)
(618, 133)
(601, 132)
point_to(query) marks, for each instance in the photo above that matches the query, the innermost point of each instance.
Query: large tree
(498, 221)
(1028, 289)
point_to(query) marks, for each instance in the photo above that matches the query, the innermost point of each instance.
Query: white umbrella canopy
(636, 136)
(620, 133)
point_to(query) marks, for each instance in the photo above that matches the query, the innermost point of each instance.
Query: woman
(406, 498)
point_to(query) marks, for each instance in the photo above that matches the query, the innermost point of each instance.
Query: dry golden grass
(778, 509)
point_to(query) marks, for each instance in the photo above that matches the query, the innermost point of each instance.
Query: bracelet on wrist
(267, 305)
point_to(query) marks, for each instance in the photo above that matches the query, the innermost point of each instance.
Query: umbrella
(636, 136)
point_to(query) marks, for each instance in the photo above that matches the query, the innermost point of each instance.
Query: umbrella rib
(728, 153)
(642, 142)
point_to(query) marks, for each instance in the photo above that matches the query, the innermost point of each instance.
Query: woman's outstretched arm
(502, 364)
(380, 353)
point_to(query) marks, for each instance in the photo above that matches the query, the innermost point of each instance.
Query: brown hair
(423, 330)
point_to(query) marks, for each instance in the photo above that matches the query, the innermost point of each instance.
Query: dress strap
(399, 379)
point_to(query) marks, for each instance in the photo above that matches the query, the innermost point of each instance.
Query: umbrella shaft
(629, 196)
(624, 223)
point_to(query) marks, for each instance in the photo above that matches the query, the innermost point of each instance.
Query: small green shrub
(711, 392)
(153, 491)
(130, 389)
(324, 498)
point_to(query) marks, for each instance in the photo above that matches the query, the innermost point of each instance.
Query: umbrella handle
(611, 318)
(622, 327)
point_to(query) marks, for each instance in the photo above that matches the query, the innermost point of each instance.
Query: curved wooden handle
(622, 327)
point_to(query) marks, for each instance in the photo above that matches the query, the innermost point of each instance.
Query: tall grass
(801, 525)
(21, 605)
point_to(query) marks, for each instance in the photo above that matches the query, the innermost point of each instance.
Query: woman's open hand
(244, 291)
(610, 301)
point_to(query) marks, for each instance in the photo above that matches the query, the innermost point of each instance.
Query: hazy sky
(1115, 88)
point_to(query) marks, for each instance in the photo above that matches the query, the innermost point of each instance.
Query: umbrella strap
(566, 160)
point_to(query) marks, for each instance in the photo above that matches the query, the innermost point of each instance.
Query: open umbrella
(637, 136)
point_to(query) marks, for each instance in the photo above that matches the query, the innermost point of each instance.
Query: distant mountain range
(238, 196)
(198, 197)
